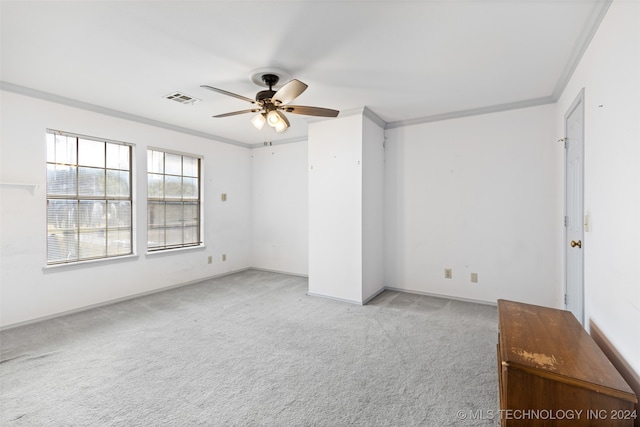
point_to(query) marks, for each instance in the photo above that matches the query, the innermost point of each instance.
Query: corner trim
(375, 294)
(368, 113)
(358, 111)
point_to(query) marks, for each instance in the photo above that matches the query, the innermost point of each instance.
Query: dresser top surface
(554, 343)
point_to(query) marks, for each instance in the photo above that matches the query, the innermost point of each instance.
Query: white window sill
(174, 251)
(88, 263)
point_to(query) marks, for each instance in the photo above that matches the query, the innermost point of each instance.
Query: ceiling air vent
(182, 98)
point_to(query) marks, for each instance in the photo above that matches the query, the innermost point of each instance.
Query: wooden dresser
(552, 373)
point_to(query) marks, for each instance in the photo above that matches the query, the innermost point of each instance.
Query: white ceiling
(407, 61)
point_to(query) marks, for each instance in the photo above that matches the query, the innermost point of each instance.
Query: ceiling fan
(270, 104)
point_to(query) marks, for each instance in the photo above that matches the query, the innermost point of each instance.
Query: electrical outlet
(210, 260)
(448, 274)
(474, 277)
(224, 257)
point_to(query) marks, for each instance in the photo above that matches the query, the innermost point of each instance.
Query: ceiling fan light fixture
(281, 126)
(258, 121)
(269, 103)
(277, 120)
(273, 117)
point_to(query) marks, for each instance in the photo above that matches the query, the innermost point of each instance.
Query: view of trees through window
(88, 198)
(173, 205)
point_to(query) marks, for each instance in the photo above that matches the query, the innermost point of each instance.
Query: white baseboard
(288, 273)
(378, 292)
(450, 297)
(192, 282)
(350, 301)
(117, 300)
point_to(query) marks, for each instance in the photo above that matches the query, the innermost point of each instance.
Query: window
(88, 198)
(173, 205)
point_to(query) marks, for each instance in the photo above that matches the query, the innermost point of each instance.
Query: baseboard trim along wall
(366, 301)
(428, 294)
(117, 300)
(391, 288)
(626, 371)
(192, 282)
(267, 270)
(350, 301)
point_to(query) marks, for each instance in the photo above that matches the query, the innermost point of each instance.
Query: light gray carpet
(252, 349)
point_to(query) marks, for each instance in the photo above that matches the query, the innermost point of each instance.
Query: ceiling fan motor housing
(265, 94)
(269, 80)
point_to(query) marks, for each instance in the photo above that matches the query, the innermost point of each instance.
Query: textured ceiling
(406, 61)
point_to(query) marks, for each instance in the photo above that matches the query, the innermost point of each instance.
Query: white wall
(335, 208)
(476, 194)
(279, 208)
(609, 73)
(479, 194)
(346, 200)
(372, 209)
(28, 292)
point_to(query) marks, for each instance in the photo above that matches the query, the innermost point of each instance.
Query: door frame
(578, 103)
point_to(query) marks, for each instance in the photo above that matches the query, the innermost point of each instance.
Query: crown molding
(473, 112)
(364, 111)
(598, 14)
(280, 142)
(368, 113)
(46, 96)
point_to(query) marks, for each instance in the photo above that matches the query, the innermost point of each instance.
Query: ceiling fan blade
(235, 113)
(310, 111)
(224, 92)
(290, 91)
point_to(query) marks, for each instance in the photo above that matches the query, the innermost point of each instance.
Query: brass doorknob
(578, 243)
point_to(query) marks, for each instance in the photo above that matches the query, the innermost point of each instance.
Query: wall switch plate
(474, 277)
(587, 222)
(210, 260)
(223, 197)
(224, 257)
(448, 274)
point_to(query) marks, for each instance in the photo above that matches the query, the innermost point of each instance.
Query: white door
(574, 208)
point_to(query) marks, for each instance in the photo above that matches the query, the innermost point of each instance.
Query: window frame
(80, 199)
(198, 201)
